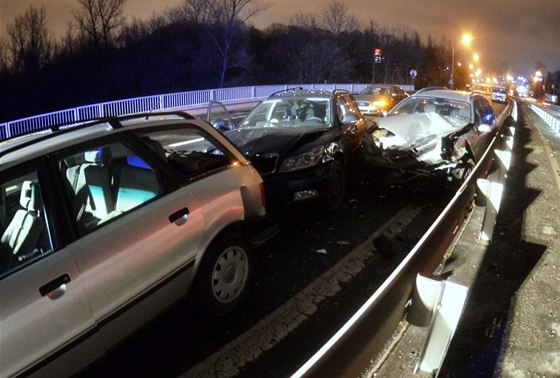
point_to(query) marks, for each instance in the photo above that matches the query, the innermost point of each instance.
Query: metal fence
(171, 101)
(549, 116)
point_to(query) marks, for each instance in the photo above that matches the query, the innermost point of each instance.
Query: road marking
(228, 361)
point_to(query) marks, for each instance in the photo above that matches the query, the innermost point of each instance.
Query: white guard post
(439, 304)
(493, 187)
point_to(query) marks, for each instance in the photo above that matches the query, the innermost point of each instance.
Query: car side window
(484, 112)
(23, 224)
(346, 105)
(351, 104)
(105, 182)
(341, 108)
(190, 152)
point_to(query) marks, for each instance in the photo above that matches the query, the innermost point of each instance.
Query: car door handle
(179, 217)
(55, 288)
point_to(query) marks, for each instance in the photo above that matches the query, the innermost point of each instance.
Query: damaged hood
(284, 141)
(411, 128)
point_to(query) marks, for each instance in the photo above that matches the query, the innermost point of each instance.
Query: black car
(301, 142)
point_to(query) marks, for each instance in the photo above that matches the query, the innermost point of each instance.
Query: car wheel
(337, 185)
(224, 274)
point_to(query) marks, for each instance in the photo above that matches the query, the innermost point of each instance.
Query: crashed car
(440, 133)
(377, 99)
(301, 142)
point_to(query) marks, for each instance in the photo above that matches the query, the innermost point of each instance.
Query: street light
(466, 40)
(538, 79)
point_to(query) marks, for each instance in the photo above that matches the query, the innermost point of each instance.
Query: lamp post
(538, 80)
(466, 40)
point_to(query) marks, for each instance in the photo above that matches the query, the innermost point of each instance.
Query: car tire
(224, 274)
(337, 185)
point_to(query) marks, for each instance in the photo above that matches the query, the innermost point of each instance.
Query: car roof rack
(286, 90)
(426, 89)
(114, 121)
(308, 90)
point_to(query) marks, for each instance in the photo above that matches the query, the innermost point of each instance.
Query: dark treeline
(201, 44)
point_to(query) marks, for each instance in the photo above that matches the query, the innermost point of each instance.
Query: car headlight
(380, 103)
(302, 161)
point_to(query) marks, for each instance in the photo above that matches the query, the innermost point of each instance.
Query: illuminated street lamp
(538, 79)
(466, 40)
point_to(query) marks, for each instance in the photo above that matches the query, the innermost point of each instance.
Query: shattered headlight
(302, 161)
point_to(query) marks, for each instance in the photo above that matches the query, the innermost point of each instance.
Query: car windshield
(458, 113)
(499, 90)
(375, 91)
(289, 112)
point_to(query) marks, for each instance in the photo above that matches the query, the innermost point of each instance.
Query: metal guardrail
(552, 119)
(171, 101)
(349, 352)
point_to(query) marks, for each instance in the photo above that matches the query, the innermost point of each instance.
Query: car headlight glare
(302, 161)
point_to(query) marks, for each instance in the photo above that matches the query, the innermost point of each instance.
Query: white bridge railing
(171, 101)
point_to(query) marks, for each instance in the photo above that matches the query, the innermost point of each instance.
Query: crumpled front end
(429, 155)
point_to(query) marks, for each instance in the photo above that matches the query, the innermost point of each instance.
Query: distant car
(550, 98)
(301, 142)
(499, 94)
(107, 224)
(439, 133)
(376, 99)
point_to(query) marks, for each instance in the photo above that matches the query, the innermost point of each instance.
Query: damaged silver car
(440, 133)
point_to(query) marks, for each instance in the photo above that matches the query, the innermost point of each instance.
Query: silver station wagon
(106, 224)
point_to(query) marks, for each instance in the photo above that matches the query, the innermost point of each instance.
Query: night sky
(510, 35)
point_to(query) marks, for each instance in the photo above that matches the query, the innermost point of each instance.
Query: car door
(355, 129)
(138, 236)
(484, 118)
(138, 255)
(45, 323)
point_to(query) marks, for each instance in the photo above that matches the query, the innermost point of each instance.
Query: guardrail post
(492, 188)
(449, 302)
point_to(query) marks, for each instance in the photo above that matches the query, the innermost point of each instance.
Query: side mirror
(220, 125)
(484, 128)
(350, 118)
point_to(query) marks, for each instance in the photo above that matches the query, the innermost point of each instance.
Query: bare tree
(305, 21)
(30, 44)
(337, 19)
(98, 20)
(223, 20)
